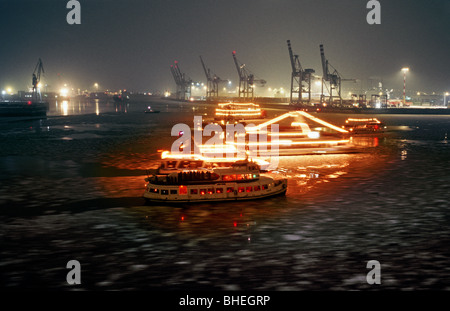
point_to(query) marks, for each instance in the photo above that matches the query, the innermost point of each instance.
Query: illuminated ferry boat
(239, 111)
(363, 126)
(241, 181)
(227, 113)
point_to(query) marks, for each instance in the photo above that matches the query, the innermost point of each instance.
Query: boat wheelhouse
(171, 163)
(241, 181)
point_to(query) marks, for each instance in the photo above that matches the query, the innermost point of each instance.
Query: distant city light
(63, 92)
(404, 70)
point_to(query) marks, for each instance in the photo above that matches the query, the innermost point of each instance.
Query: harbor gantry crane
(247, 80)
(334, 80)
(183, 83)
(37, 79)
(212, 85)
(298, 76)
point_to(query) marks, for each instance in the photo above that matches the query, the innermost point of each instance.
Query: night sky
(131, 44)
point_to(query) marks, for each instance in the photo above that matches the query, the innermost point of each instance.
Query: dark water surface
(71, 188)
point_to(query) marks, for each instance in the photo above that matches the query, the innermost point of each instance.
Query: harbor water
(72, 185)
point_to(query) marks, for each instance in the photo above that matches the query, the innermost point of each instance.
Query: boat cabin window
(154, 190)
(195, 164)
(241, 189)
(249, 189)
(170, 164)
(219, 190)
(210, 190)
(190, 164)
(173, 191)
(164, 191)
(194, 191)
(182, 189)
(265, 187)
(202, 191)
(230, 189)
(228, 177)
(257, 188)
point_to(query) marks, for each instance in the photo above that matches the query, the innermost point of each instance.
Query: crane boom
(38, 70)
(246, 79)
(206, 70)
(183, 85)
(324, 64)
(37, 78)
(238, 67)
(298, 76)
(175, 76)
(295, 63)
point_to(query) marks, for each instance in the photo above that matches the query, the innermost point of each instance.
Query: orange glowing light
(363, 120)
(182, 190)
(305, 114)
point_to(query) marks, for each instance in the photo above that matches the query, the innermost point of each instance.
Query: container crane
(246, 79)
(212, 87)
(334, 79)
(183, 83)
(37, 79)
(298, 76)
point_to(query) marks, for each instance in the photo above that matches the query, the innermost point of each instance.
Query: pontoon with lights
(363, 125)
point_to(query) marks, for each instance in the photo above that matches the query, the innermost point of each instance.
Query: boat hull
(261, 189)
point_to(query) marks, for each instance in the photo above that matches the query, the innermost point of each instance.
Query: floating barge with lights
(237, 113)
(363, 126)
(241, 181)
